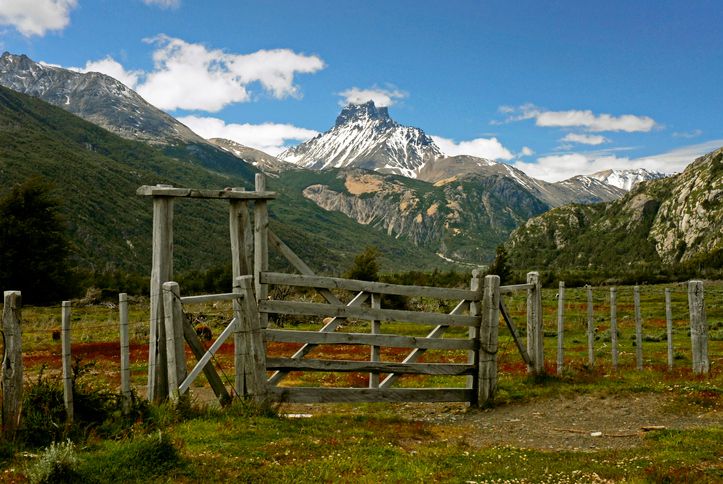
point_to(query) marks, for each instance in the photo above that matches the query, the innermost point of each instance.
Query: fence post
(12, 365)
(590, 329)
(175, 352)
(489, 328)
(614, 326)
(254, 354)
(124, 353)
(535, 343)
(375, 350)
(475, 309)
(698, 327)
(669, 327)
(560, 327)
(67, 370)
(638, 329)
(162, 271)
(261, 245)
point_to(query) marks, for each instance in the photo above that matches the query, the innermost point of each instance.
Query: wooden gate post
(253, 368)
(261, 245)
(489, 328)
(162, 271)
(12, 365)
(67, 370)
(698, 327)
(535, 343)
(475, 309)
(125, 366)
(175, 351)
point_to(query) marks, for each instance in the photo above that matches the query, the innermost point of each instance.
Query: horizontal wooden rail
(393, 341)
(333, 310)
(515, 288)
(155, 191)
(291, 364)
(227, 296)
(338, 395)
(321, 282)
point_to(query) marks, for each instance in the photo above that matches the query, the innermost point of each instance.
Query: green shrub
(58, 463)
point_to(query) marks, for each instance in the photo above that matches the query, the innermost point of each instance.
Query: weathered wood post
(261, 245)
(535, 343)
(489, 328)
(175, 352)
(669, 327)
(124, 353)
(12, 365)
(698, 327)
(254, 353)
(590, 329)
(638, 330)
(67, 369)
(614, 326)
(475, 309)
(375, 350)
(241, 265)
(560, 327)
(162, 271)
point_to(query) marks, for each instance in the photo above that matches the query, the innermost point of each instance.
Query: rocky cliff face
(94, 97)
(669, 220)
(462, 220)
(690, 221)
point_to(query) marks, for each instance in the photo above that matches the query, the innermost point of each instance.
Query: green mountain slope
(461, 219)
(97, 173)
(672, 221)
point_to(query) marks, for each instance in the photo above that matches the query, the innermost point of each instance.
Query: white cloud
(688, 134)
(585, 119)
(164, 3)
(271, 138)
(560, 167)
(36, 17)
(526, 151)
(112, 68)
(381, 97)
(193, 77)
(586, 139)
(482, 147)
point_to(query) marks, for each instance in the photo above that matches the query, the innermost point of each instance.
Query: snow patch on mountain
(364, 136)
(626, 179)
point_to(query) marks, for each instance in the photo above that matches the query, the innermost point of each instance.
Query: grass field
(539, 431)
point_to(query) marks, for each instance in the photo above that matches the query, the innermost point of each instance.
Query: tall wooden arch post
(162, 262)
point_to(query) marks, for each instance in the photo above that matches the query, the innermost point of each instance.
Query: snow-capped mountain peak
(364, 136)
(626, 179)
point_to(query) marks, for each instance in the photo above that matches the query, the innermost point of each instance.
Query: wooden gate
(477, 310)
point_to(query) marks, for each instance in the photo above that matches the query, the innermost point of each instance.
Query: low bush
(56, 464)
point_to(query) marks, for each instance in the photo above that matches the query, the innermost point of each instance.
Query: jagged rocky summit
(364, 136)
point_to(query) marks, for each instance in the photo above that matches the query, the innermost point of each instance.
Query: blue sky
(556, 88)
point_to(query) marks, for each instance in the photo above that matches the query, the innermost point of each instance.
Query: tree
(33, 244)
(500, 266)
(366, 266)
